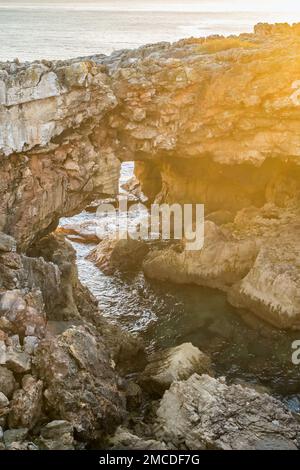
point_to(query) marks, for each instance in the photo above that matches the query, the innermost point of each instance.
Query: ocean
(59, 31)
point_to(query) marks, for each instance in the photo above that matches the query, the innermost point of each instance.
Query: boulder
(113, 254)
(7, 382)
(221, 262)
(169, 365)
(26, 404)
(4, 403)
(80, 384)
(18, 361)
(205, 413)
(57, 435)
(7, 243)
(271, 289)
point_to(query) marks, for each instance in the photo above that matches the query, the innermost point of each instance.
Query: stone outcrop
(213, 121)
(112, 254)
(123, 439)
(172, 364)
(59, 358)
(205, 413)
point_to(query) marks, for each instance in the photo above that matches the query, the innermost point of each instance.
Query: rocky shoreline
(211, 120)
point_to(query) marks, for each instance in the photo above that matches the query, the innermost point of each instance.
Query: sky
(176, 5)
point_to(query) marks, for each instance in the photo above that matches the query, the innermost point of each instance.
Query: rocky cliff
(213, 121)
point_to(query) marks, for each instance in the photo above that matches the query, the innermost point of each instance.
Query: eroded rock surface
(205, 413)
(172, 364)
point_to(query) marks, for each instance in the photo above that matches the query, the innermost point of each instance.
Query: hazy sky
(200, 5)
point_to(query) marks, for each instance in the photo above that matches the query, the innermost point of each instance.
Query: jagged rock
(26, 404)
(79, 234)
(18, 361)
(30, 344)
(3, 356)
(209, 127)
(169, 365)
(80, 385)
(12, 300)
(7, 382)
(124, 439)
(15, 438)
(124, 254)
(205, 413)
(19, 317)
(57, 435)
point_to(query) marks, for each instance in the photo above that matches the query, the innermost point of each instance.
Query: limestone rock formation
(123, 439)
(112, 254)
(172, 364)
(58, 356)
(205, 413)
(213, 121)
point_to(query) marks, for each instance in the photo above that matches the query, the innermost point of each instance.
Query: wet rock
(169, 365)
(26, 404)
(7, 382)
(57, 435)
(113, 254)
(19, 316)
(123, 439)
(79, 234)
(205, 413)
